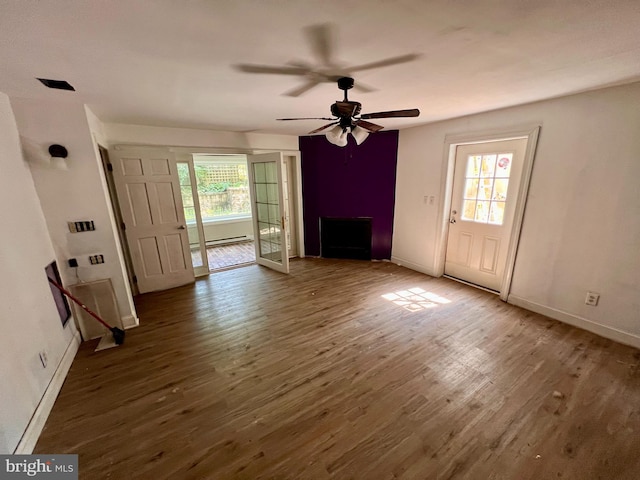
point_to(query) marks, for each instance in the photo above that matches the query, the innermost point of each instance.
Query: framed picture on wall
(61, 301)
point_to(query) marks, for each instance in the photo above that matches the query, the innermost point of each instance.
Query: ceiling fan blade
(306, 118)
(387, 62)
(305, 87)
(372, 127)
(320, 39)
(393, 113)
(323, 127)
(363, 88)
(249, 68)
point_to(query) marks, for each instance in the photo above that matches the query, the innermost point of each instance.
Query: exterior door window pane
(486, 185)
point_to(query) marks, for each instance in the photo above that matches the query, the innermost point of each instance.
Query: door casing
(531, 133)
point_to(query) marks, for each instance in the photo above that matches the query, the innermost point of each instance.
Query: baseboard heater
(221, 241)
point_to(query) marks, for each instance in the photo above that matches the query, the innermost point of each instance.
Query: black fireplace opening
(345, 237)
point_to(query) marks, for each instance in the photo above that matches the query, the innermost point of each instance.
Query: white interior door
(149, 194)
(486, 181)
(266, 179)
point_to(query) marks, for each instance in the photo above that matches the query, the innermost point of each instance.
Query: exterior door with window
(266, 180)
(149, 195)
(486, 181)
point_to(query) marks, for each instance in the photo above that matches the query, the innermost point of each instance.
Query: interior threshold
(475, 285)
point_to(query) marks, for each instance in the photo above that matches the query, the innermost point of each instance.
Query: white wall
(581, 227)
(77, 194)
(185, 137)
(28, 317)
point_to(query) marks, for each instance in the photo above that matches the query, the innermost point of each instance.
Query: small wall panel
(99, 297)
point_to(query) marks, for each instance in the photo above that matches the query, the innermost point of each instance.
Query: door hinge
(123, 226)
(135, 279)
(110, 167)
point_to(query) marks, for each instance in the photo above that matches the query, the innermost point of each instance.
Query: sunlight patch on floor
(415, 299)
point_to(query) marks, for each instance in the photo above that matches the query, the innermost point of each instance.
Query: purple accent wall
(351, 181)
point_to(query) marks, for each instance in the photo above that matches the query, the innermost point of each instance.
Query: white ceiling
(170, 62)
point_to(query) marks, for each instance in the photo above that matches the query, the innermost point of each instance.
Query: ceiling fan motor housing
(346, 109)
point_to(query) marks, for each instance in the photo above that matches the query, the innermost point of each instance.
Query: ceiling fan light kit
(338, 136)
(359, 134)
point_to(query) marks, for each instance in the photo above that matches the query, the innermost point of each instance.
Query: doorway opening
(217, 209)
(172, 197)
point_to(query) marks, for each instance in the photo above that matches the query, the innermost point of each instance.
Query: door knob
(182, 227)
(453, 220)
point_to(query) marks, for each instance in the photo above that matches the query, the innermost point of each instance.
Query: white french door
(149, 195)
(487, 178)
(192, 214)
(266, 180)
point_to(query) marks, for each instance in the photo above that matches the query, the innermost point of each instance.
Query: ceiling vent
(59, 84)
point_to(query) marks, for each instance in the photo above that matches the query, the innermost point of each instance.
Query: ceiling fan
(327, 69)
(347, 118)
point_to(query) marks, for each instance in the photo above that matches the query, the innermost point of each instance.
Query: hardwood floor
(251, 374)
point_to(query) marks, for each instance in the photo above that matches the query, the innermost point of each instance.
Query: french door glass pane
(268, 210)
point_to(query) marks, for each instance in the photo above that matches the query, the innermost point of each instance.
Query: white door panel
(487, 178)
(149, 195)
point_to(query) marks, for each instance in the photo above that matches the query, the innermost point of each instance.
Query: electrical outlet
(592, 299)
(43, 358)
(96, 259)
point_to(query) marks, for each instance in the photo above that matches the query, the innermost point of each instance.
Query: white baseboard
(593, 327)
(34, 429)
(413, 266)
(130, 321)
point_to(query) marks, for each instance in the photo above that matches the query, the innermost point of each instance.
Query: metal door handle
(453, 220)
(182, 227)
